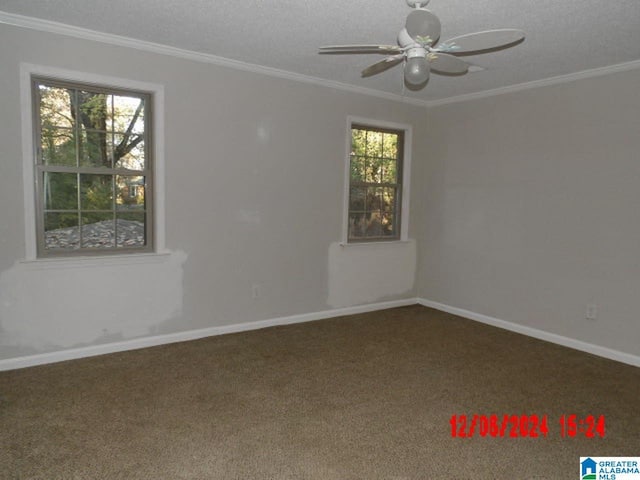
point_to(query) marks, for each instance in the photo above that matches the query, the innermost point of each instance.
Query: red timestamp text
(530, 425)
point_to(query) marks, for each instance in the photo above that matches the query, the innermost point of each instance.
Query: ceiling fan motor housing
(404, 40)
(417, 3)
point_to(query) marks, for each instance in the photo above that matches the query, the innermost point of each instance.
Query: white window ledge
(382, 242)
(97, 260)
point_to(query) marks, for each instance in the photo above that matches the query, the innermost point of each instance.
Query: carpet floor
(367, 396)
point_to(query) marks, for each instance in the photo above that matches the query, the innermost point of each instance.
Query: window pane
(60, 191)
(358, 142)
(356, 198)
(388, 171)
(130, 192)
(58, 147)
(96, 192)
(374, 144)
(388, 196)
(128, 151)
(374, 199)
(94, 111)
(61, 231)
(56, 107)
(369, 225)
(95, 148)
(390, 145)
(388, 224)
(374, 224)
(357, 225)
(128, 114)
(373, 170)
(131, 229)
(98, 230)
(357, 168)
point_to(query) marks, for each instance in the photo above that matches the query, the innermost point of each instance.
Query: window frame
(33, 207)
(403, 181)
(41, 168)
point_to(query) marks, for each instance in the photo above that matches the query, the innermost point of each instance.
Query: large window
(375, 183)
(93, 169)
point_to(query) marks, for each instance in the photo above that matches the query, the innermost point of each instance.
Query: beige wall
(532, 209)
(254, 195)
(525, 207)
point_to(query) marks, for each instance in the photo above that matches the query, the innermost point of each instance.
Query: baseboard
(152, 341)
(536, 333)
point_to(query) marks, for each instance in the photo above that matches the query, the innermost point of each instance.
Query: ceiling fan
(420, 51)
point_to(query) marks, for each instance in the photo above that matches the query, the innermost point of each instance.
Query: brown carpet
(361, 397)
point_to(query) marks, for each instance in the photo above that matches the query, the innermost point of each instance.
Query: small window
(375, 183)
(93, 172)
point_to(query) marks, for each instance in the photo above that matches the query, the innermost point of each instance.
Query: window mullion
(78, 136)
(111, 129)
(94, 170)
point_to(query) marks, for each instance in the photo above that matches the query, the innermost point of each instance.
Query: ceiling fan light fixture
(416, 71)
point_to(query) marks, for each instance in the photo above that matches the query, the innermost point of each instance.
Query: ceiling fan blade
(422, 24)
(382, 49)
(481, 41)
(445, 63)
(382, 66)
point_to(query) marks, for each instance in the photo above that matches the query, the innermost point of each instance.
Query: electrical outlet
(256, 290)
(591, 312)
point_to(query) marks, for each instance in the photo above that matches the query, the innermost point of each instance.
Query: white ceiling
(563, 36)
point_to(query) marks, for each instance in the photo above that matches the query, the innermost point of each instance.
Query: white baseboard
(535, 333)
(143, 342)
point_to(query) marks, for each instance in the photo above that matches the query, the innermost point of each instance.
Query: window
(93, 177)
(375, 183)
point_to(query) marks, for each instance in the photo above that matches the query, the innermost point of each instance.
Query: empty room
(383, 239)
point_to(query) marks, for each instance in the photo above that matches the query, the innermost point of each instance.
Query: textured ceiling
(562, 36)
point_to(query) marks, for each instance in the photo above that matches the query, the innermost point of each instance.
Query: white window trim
(406, 176)
(27, 70)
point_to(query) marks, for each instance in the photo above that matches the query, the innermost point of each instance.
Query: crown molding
(118, 40)
(571, 77)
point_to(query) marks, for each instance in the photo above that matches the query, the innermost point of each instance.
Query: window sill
(374, 242)
(96, 261)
